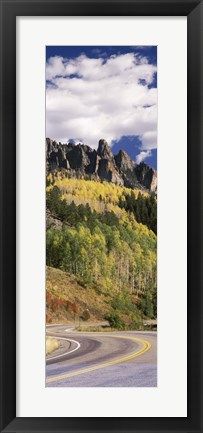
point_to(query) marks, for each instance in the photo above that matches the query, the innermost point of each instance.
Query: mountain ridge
(81, 160)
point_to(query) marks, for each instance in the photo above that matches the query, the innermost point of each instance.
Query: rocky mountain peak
(82, 160)
(147, 176)
(123, 161)
(104, 150)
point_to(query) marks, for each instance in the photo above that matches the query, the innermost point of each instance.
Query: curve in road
(97, 351)
(145, 346)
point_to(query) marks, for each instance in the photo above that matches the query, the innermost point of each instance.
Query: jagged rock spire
(104, 150)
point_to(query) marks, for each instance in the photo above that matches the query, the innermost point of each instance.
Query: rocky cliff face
(82, 160)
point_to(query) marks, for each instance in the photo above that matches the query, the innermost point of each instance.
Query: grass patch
(94, 329)
(51, 345)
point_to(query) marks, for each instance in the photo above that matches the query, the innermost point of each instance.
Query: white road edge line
(55, 324)
(67, 353)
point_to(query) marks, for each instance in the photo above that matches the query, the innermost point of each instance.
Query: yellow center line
(145, 347)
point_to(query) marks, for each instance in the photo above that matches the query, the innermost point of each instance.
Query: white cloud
(142, 156)
(54, 67)
(97, 98)
(149, 140)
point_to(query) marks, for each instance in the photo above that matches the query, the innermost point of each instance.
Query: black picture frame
(193, 9)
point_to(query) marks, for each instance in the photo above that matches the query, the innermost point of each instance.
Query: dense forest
(104, 196)
(107, 239)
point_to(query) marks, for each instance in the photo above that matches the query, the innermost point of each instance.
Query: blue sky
(104, 92)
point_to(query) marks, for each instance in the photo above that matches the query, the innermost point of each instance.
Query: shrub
(85, 315)
(115, 321)
(123, 302)
(146, 305)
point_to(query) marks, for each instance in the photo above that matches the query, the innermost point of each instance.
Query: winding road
(102, 359)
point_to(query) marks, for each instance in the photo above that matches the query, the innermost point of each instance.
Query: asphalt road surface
(102, 359)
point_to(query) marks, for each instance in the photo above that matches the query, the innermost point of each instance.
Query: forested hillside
(103, 197)
(106, 239)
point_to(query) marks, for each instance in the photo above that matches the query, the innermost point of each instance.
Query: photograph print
(101, 216)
